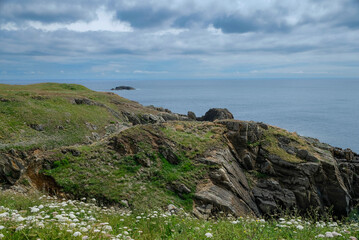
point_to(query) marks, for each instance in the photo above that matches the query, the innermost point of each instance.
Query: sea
(324, 109)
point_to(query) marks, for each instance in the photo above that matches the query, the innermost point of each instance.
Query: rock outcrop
(216, 114)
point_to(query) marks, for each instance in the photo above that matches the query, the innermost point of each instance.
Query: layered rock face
(256, 177)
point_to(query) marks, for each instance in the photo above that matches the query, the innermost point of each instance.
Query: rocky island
(71, 142)
(123, 88)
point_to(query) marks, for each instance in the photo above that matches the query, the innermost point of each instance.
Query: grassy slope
(51, 105)
(107, 175)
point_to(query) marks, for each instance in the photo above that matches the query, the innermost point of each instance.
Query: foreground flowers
(52, 218)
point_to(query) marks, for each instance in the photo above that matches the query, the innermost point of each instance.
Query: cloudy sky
(179, 39)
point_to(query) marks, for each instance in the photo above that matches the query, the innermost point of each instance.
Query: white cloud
(172, 31)
(213, 30)
(10, 26)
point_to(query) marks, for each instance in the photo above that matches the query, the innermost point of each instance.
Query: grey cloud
(144, 17)
(186, 21)
(47, 11)
(315, 32)
(259, 21)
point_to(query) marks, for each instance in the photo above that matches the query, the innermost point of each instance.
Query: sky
(178, 39)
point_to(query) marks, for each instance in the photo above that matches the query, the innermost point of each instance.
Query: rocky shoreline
(225, 165)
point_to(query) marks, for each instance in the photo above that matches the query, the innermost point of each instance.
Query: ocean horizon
(318, 108)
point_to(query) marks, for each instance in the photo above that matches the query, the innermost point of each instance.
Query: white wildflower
(329, 235)
(108, 228)
(1, 227)
(335, 234)
(19, 228)
(76, 234)
(20, 219)
(1, 236)
(300, 227)
(40, 225)
(34, 209)
(209, 235)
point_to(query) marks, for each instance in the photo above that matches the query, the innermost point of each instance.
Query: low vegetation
(45, 217)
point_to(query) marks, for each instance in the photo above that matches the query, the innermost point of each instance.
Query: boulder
(216, 114)
(191, 115)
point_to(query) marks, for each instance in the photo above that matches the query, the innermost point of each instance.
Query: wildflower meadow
(45, 217)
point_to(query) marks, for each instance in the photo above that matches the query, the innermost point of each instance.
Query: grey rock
(75, 152)
(37, 127)
(181, 188)
(224, 199)
(216, 114)
(172, 208)
(150, 118)
(191, 115)
(11, 169)
(84, 101)
(248, 162)
(169, 116)
(302, 154)
(170, 156)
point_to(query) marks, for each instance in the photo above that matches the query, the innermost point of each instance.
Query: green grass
(196, 137)
(271, 143)
(104, 223)
(51, 105)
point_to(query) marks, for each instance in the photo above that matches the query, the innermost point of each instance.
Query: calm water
(324, 109)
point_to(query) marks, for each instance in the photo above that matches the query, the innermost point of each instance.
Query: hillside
(73, 142)
(51, 115)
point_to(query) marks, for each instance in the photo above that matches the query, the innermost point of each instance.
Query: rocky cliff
(144, 157)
